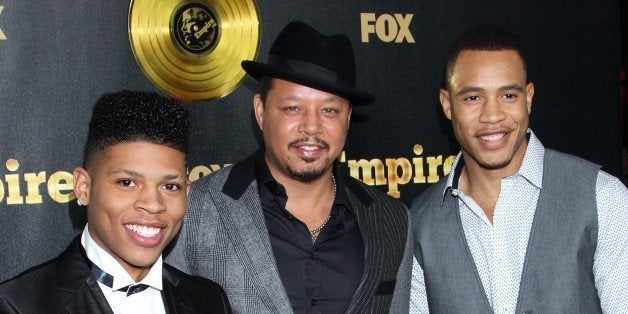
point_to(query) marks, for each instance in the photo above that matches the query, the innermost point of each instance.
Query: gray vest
(557, 272)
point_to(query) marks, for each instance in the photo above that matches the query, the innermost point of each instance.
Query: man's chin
(306, 175)
(495, 164)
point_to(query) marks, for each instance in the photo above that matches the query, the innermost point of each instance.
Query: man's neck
(310, 202)
(97, 254)
(482, 184)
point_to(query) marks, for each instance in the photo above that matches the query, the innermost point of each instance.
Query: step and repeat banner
(58, 57)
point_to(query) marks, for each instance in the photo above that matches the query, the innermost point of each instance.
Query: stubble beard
(495, 165)
(307, 175)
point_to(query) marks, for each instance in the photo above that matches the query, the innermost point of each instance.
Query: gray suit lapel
(244, 222)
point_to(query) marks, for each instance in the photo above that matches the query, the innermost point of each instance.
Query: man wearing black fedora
(285, 230)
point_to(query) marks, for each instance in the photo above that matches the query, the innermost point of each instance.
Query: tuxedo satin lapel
(244, 222)
(81, 293)
(174, 301)
(88, 299)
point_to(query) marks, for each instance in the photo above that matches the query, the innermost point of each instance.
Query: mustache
(315, 139)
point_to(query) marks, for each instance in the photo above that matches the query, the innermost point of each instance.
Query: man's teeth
(309, 147)
(144, 231)
(492, 137)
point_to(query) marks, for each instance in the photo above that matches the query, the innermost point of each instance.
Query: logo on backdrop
(18, 187)
(195, 28)
(192, 49)
(386, 27)
(2, 36)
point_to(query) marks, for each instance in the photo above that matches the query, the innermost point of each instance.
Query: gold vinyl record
(193, 49)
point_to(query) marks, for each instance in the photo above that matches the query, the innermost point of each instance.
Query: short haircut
(482, 37)
(265, 85)
(131, 116)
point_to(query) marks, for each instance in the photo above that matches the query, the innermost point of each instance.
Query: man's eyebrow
(469, 89)
(128, 172)
(516, 87)
(136, 174)
(168, 177)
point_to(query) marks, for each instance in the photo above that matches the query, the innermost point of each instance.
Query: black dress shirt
(320, 277)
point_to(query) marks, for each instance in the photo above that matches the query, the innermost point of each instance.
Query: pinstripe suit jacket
(224, 238)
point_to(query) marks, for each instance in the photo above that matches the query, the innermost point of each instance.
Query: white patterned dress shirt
(499, 248)
(148, 301)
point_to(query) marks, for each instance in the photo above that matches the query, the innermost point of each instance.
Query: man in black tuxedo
(135, 186)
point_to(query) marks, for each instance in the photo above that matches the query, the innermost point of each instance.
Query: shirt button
(310, 255)
(313, 302)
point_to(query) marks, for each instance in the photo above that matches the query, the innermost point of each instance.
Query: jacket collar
(531, 166)
(82, 292)
(244, 173)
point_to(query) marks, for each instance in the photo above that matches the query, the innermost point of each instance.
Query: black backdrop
(57, 57)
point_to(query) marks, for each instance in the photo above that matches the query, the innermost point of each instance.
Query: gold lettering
(198, 172)
(370, 169)
(33, 181)
(13, 183)
(404, 28)
(1, 191)
(59, 182)
(447, 164)
(204, 29)
(386, 28)
(201, 171)
(2, 36)
(418, 164)
(393, 174)
(433, 163)
(366, 26)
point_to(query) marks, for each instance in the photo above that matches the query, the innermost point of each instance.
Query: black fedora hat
(302, 55)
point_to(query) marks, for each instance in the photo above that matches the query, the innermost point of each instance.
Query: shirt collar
(265, 178)
(108, 264)
(531, 167)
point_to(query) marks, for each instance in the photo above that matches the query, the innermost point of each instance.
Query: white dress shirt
(147, 301)
(499, 248)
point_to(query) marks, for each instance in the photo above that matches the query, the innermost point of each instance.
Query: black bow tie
(107, 280)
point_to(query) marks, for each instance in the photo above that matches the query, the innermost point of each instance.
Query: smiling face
(136, 194)
(489, 102)
(304, 129)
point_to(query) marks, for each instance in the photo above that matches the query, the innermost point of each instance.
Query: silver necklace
(314, 233)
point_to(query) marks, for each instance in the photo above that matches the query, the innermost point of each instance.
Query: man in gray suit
(515, 227)
(285, 230)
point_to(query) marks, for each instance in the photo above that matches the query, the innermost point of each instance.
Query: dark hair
(129, 116)
(482, 37)
(265, 84)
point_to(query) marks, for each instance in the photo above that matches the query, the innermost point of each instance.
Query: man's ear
(529, 96)
(82, 184)
(445, 102)
(258, 107)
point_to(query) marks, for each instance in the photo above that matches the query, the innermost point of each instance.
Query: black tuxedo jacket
(66, 285)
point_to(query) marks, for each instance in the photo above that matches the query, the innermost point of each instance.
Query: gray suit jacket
(224, 238)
